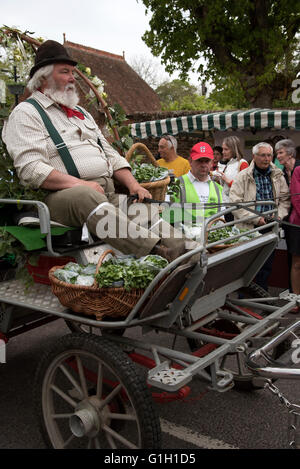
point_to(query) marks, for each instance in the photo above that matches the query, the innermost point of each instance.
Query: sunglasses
(169, 138)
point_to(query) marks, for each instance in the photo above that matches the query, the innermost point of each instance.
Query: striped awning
(251, 119)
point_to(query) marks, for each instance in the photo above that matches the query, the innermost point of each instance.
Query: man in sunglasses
(167, 148)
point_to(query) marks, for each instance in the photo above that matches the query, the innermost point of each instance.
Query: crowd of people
(79, 170)
(221, 174)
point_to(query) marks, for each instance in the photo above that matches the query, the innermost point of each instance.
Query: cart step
(167, 378)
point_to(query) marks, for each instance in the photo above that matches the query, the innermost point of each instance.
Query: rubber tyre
(114, 369)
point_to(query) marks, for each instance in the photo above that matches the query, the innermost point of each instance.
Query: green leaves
(220, 234)
(10, 186)
(242, 41)
(148, 173)
(174, 190)
(118, 121)
(130, 273)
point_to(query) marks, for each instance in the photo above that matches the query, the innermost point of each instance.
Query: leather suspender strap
(57, 140)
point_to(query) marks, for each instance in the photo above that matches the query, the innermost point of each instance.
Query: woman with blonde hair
(233, 163)
(233, 157)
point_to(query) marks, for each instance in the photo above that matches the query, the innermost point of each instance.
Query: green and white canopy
(251, 119)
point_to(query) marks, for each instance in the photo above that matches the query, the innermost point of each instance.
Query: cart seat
(72, 236)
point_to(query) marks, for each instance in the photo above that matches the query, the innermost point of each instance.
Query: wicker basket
(157, 189)
(92, 300)
(217, 247)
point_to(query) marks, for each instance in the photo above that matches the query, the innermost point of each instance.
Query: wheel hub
(87, 419)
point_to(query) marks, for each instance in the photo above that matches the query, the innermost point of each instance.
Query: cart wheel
(88, 394)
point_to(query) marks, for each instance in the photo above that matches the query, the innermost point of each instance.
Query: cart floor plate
(37, 296)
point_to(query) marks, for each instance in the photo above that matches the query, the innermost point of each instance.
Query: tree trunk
(263, 99)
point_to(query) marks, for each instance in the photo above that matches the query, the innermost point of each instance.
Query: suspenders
(58, 141)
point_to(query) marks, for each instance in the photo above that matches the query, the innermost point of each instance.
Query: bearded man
(58, 147)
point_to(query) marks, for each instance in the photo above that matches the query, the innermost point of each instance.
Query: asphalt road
(234, 419)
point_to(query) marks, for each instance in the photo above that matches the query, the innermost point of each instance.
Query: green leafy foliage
(146, 172)
(16, 53)
(220, 234)
(130, 273)
(174, 190)
(247, 42)
(180, 95)
(10, 186)
(118, 120)
(9, 247)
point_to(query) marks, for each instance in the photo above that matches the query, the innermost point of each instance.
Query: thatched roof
(122, 84)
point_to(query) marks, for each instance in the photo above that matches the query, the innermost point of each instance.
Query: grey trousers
(73, 206)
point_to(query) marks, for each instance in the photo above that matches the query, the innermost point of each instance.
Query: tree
(149, 69)
(180, 95)
(244, 42)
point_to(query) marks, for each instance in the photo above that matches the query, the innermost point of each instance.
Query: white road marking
(188, 435)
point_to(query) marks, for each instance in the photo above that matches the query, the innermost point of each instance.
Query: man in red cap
(196, 186)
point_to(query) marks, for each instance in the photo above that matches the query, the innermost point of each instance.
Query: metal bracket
(286, 295)
(221, 381)
(2, 351)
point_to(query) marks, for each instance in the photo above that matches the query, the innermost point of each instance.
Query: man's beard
(68, 97)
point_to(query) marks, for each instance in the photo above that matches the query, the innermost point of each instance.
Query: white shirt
(231, 171)
(201, 187)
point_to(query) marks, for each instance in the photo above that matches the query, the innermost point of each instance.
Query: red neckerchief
(72, 112)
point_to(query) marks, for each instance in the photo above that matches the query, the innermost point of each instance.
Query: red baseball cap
(202, 150)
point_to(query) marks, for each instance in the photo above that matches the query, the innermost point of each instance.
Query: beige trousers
(73, 206)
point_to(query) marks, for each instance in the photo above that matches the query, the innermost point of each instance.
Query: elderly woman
(286, 155)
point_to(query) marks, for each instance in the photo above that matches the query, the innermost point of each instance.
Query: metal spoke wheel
(89, 394)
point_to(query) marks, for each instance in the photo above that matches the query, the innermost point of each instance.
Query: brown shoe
(168, 253)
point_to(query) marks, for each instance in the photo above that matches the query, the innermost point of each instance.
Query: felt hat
(202, 150)
(50, 52)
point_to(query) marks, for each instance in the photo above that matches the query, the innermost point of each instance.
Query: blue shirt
(264, 188)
